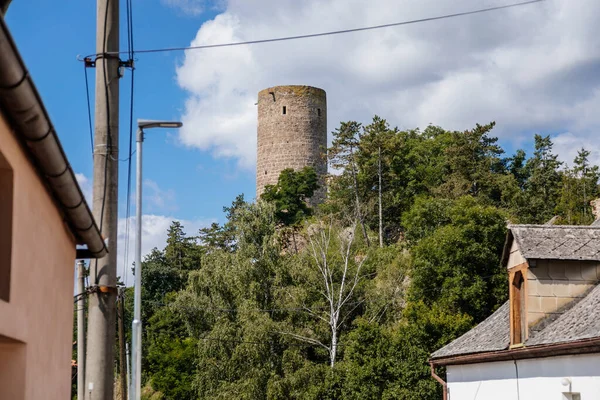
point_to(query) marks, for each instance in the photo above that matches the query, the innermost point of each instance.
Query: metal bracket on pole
(126, 64)
(91, 63)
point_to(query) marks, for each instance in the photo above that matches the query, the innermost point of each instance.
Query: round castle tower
(292, 133)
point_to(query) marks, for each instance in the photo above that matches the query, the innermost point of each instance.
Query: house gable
(558, 269)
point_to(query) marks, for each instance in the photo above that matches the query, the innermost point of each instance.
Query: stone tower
(292, 133)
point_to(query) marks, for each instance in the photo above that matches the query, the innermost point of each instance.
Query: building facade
(544, 342)
(570, 377)
(43, 217)
(292, 133)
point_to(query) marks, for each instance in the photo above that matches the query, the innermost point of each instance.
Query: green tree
(517, 168)
(473, 164)
(377, 147)
(291, 193)
(329, 282)
(542, 189)
(342, 156)
(232, 314)
(221, 307)
(588, 176)
(171, 355)
(458, 264)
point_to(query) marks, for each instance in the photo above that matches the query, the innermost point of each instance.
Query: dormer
(549, 269)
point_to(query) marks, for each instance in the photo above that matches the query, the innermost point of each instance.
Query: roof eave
(507, 245)
(584, 346)
(21, 105)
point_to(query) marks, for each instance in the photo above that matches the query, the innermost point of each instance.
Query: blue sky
(535, 69)
(50, 36)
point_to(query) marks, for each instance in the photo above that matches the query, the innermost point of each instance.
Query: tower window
(265, 172)
(284, 110)
(319, 112)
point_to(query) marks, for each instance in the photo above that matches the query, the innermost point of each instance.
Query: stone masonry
(554, 284)
(292, 133)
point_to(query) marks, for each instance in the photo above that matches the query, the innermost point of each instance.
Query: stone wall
(292, 133)
(554, 284)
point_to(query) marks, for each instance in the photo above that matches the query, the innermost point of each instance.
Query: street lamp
(136, 326)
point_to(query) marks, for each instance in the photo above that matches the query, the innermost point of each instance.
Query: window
(319, 112)
(517, 299)
(284, 110)
(6, 211)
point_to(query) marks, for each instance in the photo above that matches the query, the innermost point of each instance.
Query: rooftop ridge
(554, 226)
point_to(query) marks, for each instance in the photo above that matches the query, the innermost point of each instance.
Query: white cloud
(533, 68)
(154, 234)
(154, 227)
(86, 187)
(567, 145)
(191, 7)
(158, 199)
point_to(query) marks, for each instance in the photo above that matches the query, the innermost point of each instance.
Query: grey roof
(558, 242)
(492, 334)
(581, 321)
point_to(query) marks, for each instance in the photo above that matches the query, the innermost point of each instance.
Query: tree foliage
(291, 193)
(229, 313)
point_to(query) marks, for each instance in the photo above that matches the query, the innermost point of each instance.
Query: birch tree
(333, 277)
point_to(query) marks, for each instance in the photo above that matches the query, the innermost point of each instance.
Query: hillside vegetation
(347, 301)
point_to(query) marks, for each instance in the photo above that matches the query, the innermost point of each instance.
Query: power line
(127, 199)
(108, 144)
(330, 33)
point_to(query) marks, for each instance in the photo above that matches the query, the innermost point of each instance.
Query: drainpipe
(440, 380)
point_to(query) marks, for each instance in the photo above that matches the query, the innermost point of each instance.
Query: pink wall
(40, 311)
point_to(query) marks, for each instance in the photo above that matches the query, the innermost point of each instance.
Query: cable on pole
(89, 109)
(131, 152)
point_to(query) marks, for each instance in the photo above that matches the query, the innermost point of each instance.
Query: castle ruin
(292, 133)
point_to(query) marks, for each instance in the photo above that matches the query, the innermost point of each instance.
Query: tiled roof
(581, 321)
(492, 334)
(558, 242)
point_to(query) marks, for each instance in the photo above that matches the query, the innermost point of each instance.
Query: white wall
(539, 379)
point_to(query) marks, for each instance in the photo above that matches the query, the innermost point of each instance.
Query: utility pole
(103, 272)
(80, 329)
(122, 354)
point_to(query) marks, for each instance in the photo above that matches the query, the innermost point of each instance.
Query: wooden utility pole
(99, 372)
(122, 353)
(80, 329)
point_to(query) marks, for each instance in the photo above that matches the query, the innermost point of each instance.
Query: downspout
(441, 381)
(517, 378)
